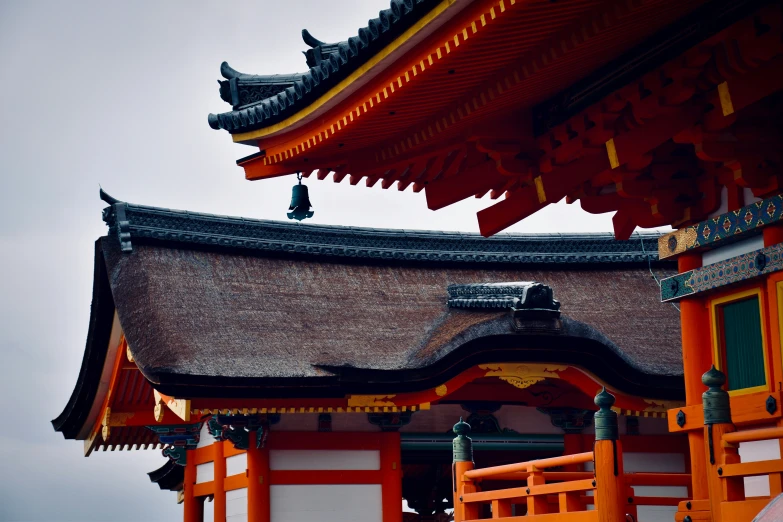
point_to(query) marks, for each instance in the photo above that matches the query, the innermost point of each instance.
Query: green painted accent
(743, 344)
(176, 453)
(717, 275)
(605, 419)
(462, 447)
(677, 286)
(717, 409)
(731, 225)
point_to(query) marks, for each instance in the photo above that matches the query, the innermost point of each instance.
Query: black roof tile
(261, 100)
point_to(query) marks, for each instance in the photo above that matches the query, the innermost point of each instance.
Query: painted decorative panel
(737, 269)
(721, 228)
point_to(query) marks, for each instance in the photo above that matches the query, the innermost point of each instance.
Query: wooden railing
(725, 477)
(557, 495)
(535, 493)
(735, 505)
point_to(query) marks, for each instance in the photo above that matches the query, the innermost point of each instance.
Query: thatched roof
(215, 306)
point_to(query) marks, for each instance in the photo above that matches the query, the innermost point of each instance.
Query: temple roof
(261, 100)
(215, 306)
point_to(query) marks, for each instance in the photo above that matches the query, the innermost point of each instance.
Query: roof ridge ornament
(116, 219)
(311, 40)
(106, 197)
(517, 296)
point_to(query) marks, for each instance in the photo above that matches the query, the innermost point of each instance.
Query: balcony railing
(544, 494)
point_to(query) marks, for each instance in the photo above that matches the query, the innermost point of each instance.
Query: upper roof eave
(301, 103)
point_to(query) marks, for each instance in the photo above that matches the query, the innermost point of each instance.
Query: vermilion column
(696, 359)
(773, 234)
(192, 512)
(219, 504)
(257, 484)
(610, 493)
(391, 470)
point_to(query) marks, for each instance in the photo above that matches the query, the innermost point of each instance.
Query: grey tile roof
(131, 223)
(259, 101)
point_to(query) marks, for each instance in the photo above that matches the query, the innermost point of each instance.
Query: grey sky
(118, 93)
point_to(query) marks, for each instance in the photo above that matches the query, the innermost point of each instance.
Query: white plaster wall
(735, 249)
(526, 419)
(754, 452)
(236, 464)
(298, 422)
(649, 426)
(352, 422)
(749, 198)
(437, 419)
(653, 462)
(326, 503)
(236, 505)
(724, 203)
(324, 459)
(205, 472)
(209, 510)
(205, 439)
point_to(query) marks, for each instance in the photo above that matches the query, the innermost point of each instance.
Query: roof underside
(647, 109)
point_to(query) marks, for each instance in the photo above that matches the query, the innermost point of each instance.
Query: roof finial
(107, 198)
(310, 40)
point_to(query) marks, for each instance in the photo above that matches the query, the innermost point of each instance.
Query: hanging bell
(300, 202)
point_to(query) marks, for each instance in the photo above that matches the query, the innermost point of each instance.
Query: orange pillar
(463, 511)
(610, 489)
(219, 504)
(257, 484)
(190, 506)
(696, 359)
(391, 472)
(610, 494)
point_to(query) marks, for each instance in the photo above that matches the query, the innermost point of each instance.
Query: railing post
(463, 461)
(191, 509)
(717, 422)
(610, 498)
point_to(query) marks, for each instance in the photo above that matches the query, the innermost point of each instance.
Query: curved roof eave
(578, 345)
(334, 79)
(82, 408)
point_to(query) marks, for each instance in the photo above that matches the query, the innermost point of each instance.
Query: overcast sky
(117, 93)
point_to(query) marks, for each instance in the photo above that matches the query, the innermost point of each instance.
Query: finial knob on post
(605, 419)
(463, 445)
(717, 407)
